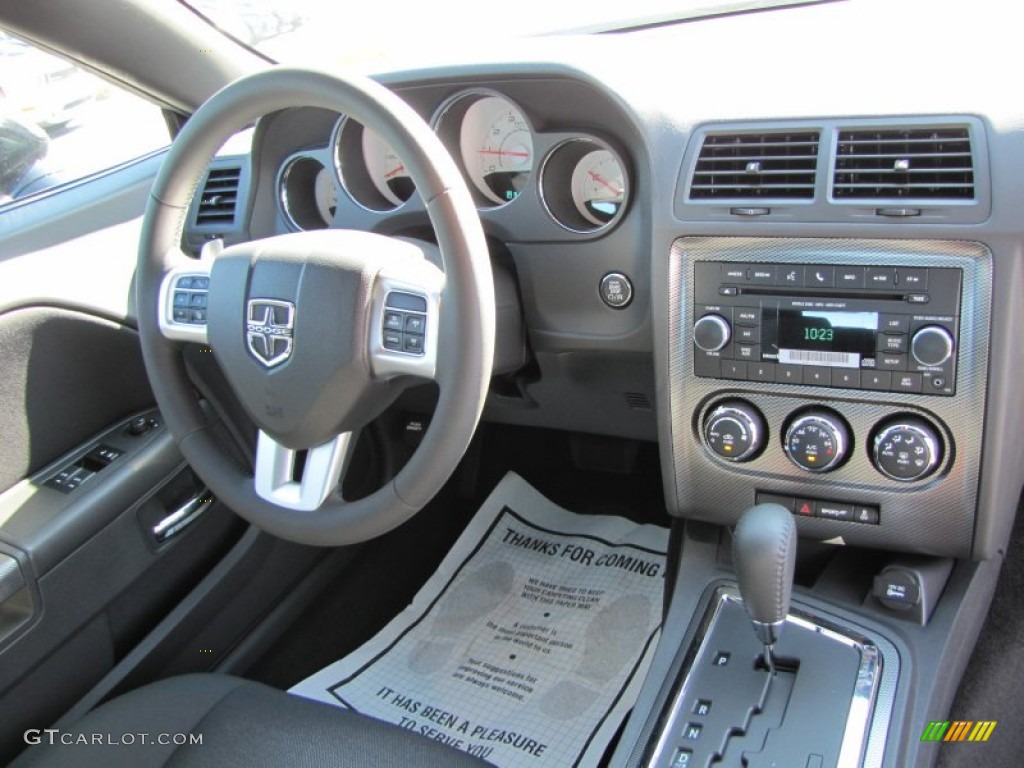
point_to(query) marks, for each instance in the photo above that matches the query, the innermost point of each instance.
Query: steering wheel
(318, 332)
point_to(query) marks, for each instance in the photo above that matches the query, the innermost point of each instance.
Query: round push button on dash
(616, 290)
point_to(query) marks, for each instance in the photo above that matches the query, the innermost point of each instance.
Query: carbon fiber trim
(933, 516)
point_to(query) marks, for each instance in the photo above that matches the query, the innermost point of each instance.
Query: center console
(843, 379)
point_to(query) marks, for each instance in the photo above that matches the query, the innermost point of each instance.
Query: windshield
(326, 33)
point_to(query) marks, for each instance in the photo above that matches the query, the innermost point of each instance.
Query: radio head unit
(891, 329)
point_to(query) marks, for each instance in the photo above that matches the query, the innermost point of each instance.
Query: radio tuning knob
(907, 449)
(817, 440)
(711, 333)
(735, 431)
(932, 345)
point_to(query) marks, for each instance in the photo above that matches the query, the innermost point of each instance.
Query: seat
(242, 723)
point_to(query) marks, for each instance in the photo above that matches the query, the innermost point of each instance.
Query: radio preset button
(711, 333)
(879, 380)
(761, 371)
(818, 376)
(734, 369)
(846, 377)
(789, 374)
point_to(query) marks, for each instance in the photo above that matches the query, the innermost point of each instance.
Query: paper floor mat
(529, 644)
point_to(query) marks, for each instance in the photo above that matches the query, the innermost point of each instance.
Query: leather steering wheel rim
(466, 333)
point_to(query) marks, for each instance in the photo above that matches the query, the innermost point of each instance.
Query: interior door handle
(180, 519)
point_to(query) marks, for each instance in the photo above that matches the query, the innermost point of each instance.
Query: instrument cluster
(580, 181)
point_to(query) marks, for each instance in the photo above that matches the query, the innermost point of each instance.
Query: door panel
(89, 579)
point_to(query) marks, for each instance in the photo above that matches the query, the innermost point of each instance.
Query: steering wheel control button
(817, 441)
(907, 449)
(190, 300)
(405, 331)
(616, 290)
(711, 333)
(735, 431)
(407, 301)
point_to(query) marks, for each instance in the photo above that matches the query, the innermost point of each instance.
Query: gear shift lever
(764, 553)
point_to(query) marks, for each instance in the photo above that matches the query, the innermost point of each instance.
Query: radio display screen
(822, 337)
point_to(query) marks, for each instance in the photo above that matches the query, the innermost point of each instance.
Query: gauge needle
(394, 171)
(604, 182)
(503, 152)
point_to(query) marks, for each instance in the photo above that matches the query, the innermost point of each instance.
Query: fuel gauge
(598, 187)
(584, 185)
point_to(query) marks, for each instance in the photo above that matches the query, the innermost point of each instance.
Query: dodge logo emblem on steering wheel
(268, 327)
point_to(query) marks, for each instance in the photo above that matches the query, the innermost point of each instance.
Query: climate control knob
(932, 345)
(907, 449)
(735, 430)
(711, 333)
(817, 440)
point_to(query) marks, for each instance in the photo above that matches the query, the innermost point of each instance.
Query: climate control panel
(903, 447)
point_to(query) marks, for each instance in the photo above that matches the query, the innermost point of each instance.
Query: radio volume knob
(711, 333)
(932, 345)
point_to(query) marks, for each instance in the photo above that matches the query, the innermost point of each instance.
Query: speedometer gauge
(598, 187)
(497, 148)
(387, 171)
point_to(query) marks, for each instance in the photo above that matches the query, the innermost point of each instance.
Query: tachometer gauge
(326, 195)
(497, 148)
(598, 187)
(387, 171)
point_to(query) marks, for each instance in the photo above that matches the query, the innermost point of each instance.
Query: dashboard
(788, 277)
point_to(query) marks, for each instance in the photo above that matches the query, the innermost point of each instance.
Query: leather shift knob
(764, 554)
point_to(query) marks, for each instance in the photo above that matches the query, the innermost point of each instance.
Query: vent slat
(756, 165)
(920, 163)
(220, 197)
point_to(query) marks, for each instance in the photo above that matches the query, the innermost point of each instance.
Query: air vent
(638, 401)
(756, 165)
(220, 196)
(911, 163)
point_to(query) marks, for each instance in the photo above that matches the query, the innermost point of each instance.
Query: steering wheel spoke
(282, 479)
(405, 320)
(183, 300)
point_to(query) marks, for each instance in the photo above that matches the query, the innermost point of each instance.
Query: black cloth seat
(242, 724)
